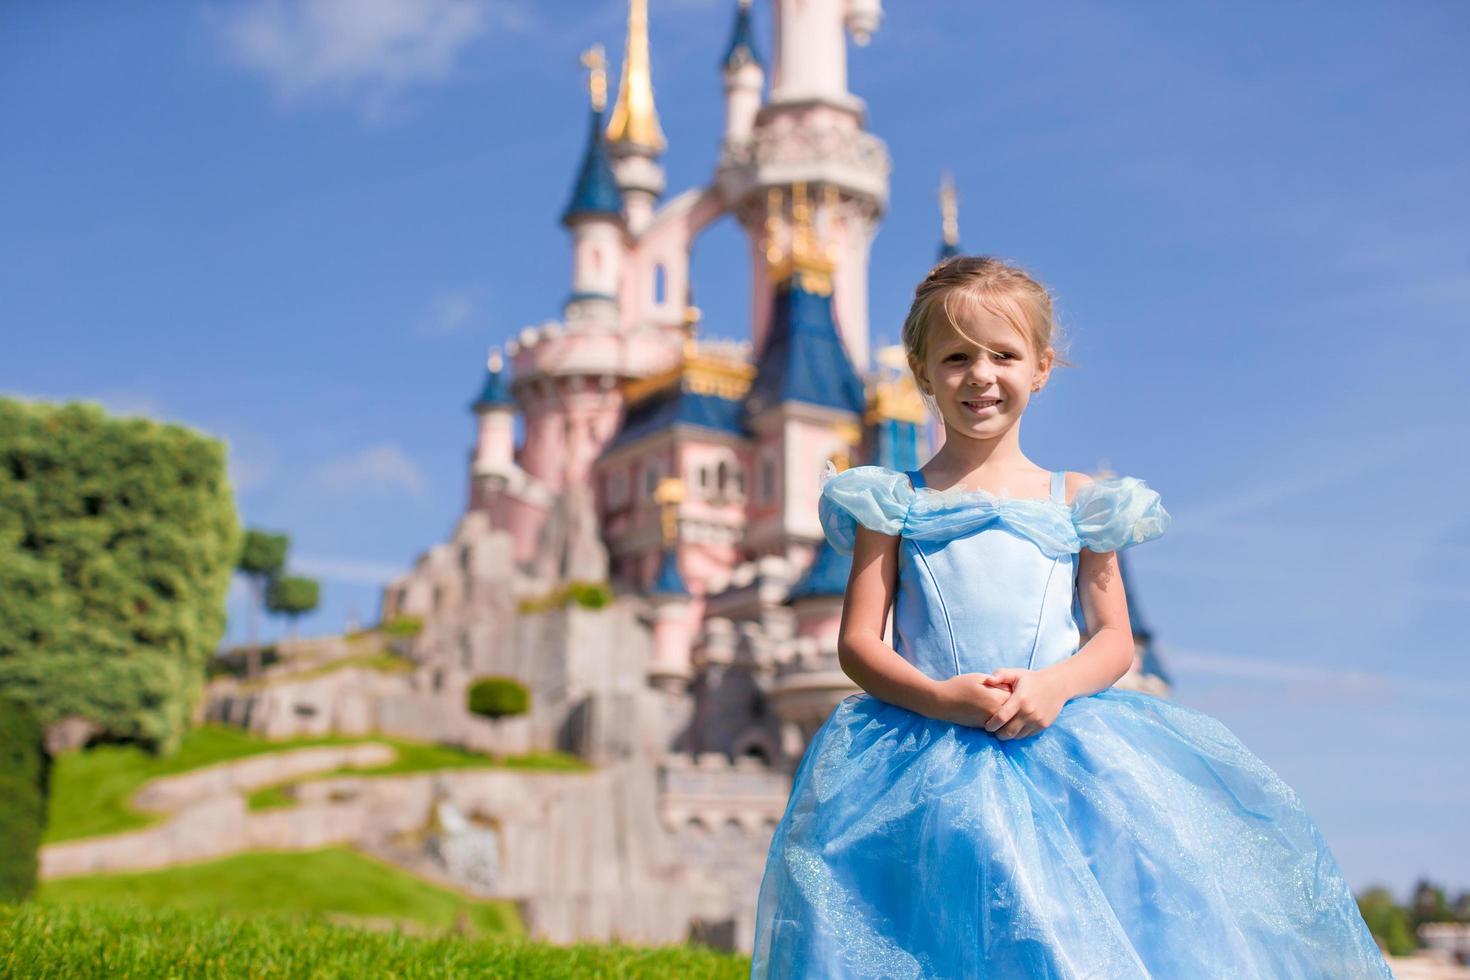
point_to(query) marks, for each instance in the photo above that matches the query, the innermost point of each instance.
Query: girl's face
(983, 382)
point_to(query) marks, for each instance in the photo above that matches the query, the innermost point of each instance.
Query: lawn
(418, 757)
(63, 941)
(334, 880)
(91, 790)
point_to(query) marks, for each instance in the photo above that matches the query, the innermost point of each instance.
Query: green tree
(118, 539)
(293, 595)
(23, 776)
(498, 697)
(262, 558)
(1387, 921)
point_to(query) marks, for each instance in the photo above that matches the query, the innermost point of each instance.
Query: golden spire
(949, 210)
(806, 258)
(634, 118)
(596, 65)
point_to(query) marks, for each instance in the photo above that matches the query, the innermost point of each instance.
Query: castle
(684, 473)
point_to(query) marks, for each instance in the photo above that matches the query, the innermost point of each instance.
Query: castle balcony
(787, 153)
(807, 688)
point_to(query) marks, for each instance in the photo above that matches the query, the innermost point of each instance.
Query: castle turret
(810, 131)
(669, 598)
(949, 212)
(594, 215)
(634, 135)
(494, 455)
(745, 76)
(807, 401)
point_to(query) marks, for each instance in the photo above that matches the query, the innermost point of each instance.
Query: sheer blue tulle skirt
(1134, 837)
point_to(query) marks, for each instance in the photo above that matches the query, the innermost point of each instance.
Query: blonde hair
(988, 283)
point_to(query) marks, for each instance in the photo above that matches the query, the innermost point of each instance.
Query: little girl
(992, 806)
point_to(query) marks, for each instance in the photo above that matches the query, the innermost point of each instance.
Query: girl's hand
(968, 699)
(1036, 698)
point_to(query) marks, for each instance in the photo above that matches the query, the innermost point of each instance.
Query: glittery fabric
(1134, 837)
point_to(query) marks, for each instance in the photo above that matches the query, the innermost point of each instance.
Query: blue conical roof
(803, 359)
(826, 577)
(1151, 663)
(495, 393)
(669, 581)
(742, 41)
(596, 192)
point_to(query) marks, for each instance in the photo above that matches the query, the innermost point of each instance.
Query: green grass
(384, 661)
(334, 880)
(91, 790)
(420, 757)
(49, 942)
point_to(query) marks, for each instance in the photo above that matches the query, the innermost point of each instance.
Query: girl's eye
(955, 357)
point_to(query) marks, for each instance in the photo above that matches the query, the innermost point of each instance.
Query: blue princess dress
(1133, 837)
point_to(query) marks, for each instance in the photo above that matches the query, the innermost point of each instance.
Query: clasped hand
(1011, 702)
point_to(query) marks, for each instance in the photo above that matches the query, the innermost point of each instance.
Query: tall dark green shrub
(262, 558)
(23, 772)
(293, 595)
(499, 697)
(118, 538)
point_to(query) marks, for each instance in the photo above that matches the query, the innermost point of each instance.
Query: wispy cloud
(1308, 679)
(1335, 473)
(350, 571)
(376, 471)
(452, 311)
(367, 53)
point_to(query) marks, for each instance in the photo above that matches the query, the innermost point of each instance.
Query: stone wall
(583, 854)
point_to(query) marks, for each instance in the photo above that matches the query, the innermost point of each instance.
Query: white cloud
(349, 571)
(375, 471)
(1309, 680)
(364, 52)
(451, 311)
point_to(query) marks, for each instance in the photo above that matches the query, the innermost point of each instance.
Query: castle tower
(634, 135)
(493, 459)
(669, 598)
(807, 401)
(949, 212)
(745, 75)
(567, 375)
(811, 132)
(594, 216)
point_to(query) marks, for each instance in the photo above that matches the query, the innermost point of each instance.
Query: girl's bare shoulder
(1075, 482)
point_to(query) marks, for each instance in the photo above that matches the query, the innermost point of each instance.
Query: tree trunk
(252, 650)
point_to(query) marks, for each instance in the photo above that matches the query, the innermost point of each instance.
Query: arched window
(660, 284)
(722, 478)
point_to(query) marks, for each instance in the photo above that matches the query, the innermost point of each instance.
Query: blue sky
(301, 232)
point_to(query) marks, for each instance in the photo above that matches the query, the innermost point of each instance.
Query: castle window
(660, 284)
(767, 479)
(722, 478)
(617, 488)
(650, 479)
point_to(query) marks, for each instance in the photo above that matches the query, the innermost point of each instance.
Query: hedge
(118, 538)
(23, 770)
(499, 697)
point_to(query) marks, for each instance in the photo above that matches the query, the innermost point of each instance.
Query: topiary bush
(499, 697)
(118, 539)
(404, 626)
(23, 771)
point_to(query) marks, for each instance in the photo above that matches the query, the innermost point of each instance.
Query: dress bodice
(984, 580)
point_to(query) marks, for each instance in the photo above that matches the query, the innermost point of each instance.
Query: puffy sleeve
(873, 496)
(1117, 512)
